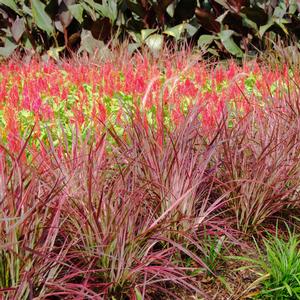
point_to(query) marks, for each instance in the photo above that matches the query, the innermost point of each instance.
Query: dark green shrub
(222, 27)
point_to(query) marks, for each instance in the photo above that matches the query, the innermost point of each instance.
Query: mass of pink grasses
(112, 173)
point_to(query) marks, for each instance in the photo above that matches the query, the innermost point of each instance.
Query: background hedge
(223, 28)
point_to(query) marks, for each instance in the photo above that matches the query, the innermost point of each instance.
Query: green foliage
(222, 27)
(280, 266)
(245, 26)
(213, 247)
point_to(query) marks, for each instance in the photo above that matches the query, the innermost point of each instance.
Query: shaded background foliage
(221, 27)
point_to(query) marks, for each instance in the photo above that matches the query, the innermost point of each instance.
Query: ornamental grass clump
(32, 251)
(112, 217)
(277, 267)
(134, 210)
(259, 161)
(282, 264)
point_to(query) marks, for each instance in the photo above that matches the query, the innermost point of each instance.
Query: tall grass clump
(259, 160)
(117, 217)
(32, 250)
(134, 210)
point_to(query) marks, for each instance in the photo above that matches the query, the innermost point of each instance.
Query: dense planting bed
(87, 95)
(140, 178)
